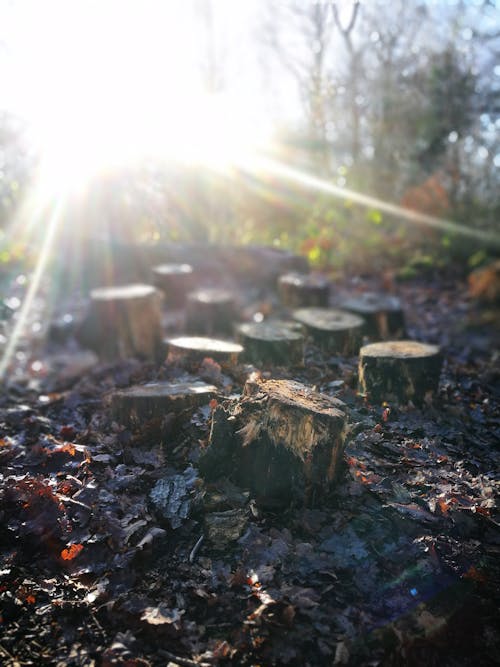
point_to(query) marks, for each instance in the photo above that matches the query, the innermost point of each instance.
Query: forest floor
(399, 566)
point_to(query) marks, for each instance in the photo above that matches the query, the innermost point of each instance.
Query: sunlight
(113, 84)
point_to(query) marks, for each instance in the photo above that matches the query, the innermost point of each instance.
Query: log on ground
(210, 311)
(302, 289)
(142, 403)
(400, 371)
(334, 331)
(281, 440)
(175, 281)
(383, 314)
(272, 342)
(124, 322)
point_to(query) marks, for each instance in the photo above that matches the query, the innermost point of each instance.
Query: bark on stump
(383, 314)
(302, 289)
(399, 371)
(210, 311)
(280, 343)
(142, 403)
(124, 322)
(175, 281)
(281, 440)
(197, 348)
(334, 331)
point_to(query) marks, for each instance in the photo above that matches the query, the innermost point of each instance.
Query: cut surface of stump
(400, 371)
(282, 440)
(383, 314)
(175, 281)
(277, 342)
(124, 322)
(142, 403)
(199, 347)
(303, 289)
(210, 311)
(334, 331)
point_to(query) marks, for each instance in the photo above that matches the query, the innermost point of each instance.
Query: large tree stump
(142, 403)
(383, 314)
(124, 322)
(302, 289)
(334, 331)
(280, 343)
(175, 281)
(281, 440)
(197, 348)
(210, 311)
(400, 371)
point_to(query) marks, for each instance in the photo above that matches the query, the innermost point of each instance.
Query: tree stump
(383, 314)
(197, 348)
(175, 281)
(280, 343)
(124, 322)
(210, 311)
(302, 289)
(334, 331)
(282, 440)
(399, 371)
(142, 403)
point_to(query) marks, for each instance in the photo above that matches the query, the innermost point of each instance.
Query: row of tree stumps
(280, 439)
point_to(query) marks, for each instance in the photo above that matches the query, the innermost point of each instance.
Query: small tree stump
(175, 281)
(124, 322)
(399, 371)
(270, 342)
(334, 331)
(198, 348)
(302, 289)
(142, 403)
(282, 440)
(383, 314)
(210, 311)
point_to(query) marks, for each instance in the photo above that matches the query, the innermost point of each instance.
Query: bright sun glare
(105, 83)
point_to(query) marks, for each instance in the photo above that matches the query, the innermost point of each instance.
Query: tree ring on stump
(210, 310)
(383, 314)
(142, 403)
(303, 289)
(334, 331)
(272, 342)
(400, 371)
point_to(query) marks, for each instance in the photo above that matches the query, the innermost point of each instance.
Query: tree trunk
(175, 281)
(197, 348)
(334, 331)
(142, 403)
(383, 314)
(298, 289)
(210, 311)
(280, 343)
(399, 371)
(282, 440)
(124, 322)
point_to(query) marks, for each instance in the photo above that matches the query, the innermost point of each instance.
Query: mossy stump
(210, 311)
(399, 371)
(334, 331)
(383, 314)
(281, 440)
(272, 342)
(123, 322)
(175, 281)
(303, 289)
(142, 403)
